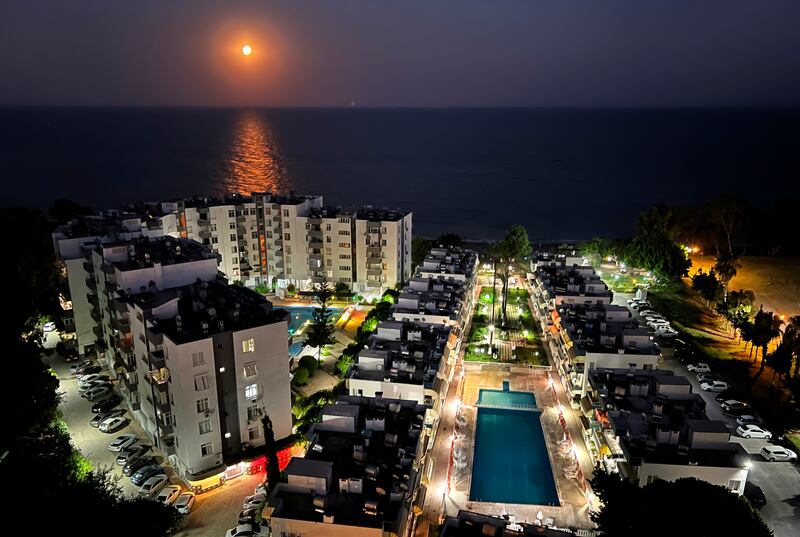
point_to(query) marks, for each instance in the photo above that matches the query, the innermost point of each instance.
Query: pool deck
(573, 511)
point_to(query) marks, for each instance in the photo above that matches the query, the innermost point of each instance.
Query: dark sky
(401, 53)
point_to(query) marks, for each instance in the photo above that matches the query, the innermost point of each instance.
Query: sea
(565, 174)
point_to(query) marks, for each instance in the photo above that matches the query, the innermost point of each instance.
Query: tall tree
(726, 267)
(726, 211)
(766, 327)
(512, 248)
(271, 449)
(654, 247)
(321, 330)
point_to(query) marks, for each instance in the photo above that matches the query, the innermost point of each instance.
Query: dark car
(137, 463)
(106, 404)
(144, 473)
(248, 516)
(727, 395)
(103, 416)
(130, 453)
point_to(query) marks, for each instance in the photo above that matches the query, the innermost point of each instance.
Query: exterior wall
(306, 528)
(597, 360)
(188, 456)
(79, 291)
(391, 390)
(711, 474)
(318, 485)
(271, 357)
(582, 299)
(423, 318)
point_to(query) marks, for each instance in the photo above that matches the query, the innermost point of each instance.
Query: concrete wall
(391, 390)
(715, 475)
(305, 528)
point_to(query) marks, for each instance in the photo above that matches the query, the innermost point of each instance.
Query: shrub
(300, 376)
(291, 289)
(343, 364)
(358, 298)
(262, 289)
(342, 288)
(309, 363)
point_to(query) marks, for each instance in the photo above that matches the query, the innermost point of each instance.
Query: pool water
(506, 399)
(300, 314)
(511, 464)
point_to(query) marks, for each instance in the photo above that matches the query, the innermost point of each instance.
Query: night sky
(409, 53)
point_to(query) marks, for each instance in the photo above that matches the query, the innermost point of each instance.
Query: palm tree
(726, 267)
(746, 332)
(791, 336)
(766, 327)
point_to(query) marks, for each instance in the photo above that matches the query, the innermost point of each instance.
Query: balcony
(130, 382)
(125, 343)
(161, 403)
(91, 283)
(157, 359)
(98, 332)
(95, 313)
(159, 379)
(314, 234)
(156, 338)
(165, 429)
(107, 267)
(205, 233)
(88, 266)
(123, 324)
(120, 306)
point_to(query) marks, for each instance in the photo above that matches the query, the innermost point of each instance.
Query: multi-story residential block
(452, 263)
(73, 243)
(209, 360)
(583, 338)
(433, 302)
(650, 425)
(382, 248)
(470, 524)
(555, 285)
(359, 474)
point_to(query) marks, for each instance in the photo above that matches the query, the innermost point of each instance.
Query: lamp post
(491, 336)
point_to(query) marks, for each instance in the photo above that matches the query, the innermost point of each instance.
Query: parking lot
(780, 481)
(214, 512)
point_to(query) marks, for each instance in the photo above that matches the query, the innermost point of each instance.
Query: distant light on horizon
(247, 50)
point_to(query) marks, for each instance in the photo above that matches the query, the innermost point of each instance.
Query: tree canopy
(321, 330)
(654, 247)
(686, 506)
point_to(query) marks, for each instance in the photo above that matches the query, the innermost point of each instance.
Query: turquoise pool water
(506, 399)
(511, 464)
(300, 314)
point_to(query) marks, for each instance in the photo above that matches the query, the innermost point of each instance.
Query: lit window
(205, 426)
(250, 369)
(253, 413)
(202, 405)
(198, 359)
(251, 391)
(249, 345)
(200, 382)
(206, 449)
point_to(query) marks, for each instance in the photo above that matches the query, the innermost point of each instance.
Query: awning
(586, 405)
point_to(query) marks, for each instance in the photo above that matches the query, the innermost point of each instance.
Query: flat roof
(309, 468)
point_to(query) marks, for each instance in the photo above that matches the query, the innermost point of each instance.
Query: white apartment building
(211, 359)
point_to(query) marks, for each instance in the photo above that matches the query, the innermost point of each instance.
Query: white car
(74, 368)
(653, 316)
(261, 488)
(121, 442)
(153, 485)
(112, 424)
(666, 332)
(253, 501)
(716, 386)
(248, 530)
(169, 494)
(184, 503)
(96, 392)
(94, 377)
(753, 431)
(701, 367)
(777, 453)
(86, 386)
(49, 327)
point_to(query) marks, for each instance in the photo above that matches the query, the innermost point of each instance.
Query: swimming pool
(300, 314)
(511, 464)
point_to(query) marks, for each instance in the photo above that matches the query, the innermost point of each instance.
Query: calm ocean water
(565, 174)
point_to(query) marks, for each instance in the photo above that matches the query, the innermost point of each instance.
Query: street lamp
(491, 335)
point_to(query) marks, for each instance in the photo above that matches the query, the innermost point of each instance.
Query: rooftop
(207, 308)
(414, 358)
(449, 260)
(144, 252)
(432, 296)
(600, 328)
(371, 462)
(239, 199)
(469, 524)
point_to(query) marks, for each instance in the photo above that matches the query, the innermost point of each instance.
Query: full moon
(247, 50)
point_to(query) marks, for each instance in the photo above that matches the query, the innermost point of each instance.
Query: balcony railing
(88, 266)
(91, 283)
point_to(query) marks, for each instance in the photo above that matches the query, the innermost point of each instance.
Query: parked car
(253, 501)
(733, 404)
(184, 503)
(49, 327)
(729, 394)
(144, 473)
(84, 389)
(753, 431)
(113, 424)
(775, 453)
(79, 366)
(106, 404)
(714, 386)
(88, 370)
(169, 494)
(96, 392)
(82, 381)
(136, 464)
(248, 516)
(654, 316)
(747, 419)
(666, 332)
(261, 488)
(248, 530)
(97, 419)
(123, 441)
(153, 485)
(755, 495)
(131, 453)
(71, 355)
(707, 377)
(700, 367)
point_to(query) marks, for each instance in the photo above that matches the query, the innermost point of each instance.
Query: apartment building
(649, 425)
(456, 264)
(209, 360)
(433, 302)
(554, 285)
(73, 244)
(470, 524)
(586, 337)
(359, 474)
